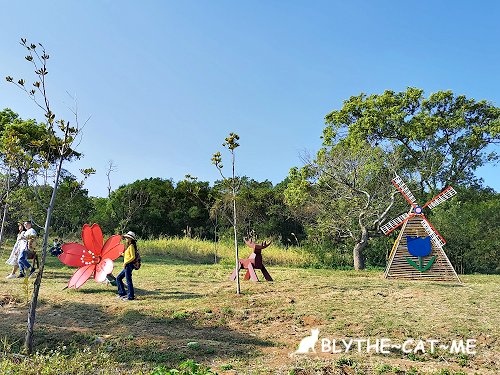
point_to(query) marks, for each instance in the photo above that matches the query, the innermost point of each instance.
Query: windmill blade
(404, 190)
(433, 233)
(441, 197)
(394, 223)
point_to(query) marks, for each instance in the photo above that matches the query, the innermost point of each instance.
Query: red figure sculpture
(254, 262)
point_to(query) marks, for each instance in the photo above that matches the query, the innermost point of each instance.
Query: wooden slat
(399, 268)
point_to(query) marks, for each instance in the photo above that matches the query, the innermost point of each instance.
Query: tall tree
(101, 212)
(143, 207)
(72, 207)
(111, 168)
(430, 141)
(344, 194)
(192, 206)
(263, 213)
(442, 139)
(25, 149)
(470, 224)
(56, 147)
(231, 143)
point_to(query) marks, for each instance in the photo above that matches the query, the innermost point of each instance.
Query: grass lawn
(186, 311)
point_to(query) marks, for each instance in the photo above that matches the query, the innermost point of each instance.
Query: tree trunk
(357, 253)
(28, 341)
(237, 257)
(5, 207)
(237, 260)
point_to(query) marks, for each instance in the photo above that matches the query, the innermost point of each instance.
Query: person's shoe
(21, 275)
(121, 296)
(11, 276)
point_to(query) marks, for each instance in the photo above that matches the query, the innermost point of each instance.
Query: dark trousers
(127, 274)
(24, 265)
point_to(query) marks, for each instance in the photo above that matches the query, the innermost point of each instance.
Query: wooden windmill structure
(418, 251)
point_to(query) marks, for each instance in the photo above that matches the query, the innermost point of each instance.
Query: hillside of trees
(156, 207)
(332, 206)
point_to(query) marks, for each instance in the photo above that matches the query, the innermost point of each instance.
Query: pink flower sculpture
(92, 257)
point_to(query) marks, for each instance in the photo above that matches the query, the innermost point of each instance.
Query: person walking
(15, 253)
(26, 245)
(128, 260)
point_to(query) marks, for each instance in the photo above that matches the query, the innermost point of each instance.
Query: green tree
(262, 212)
(231, 143)
(71, 209)
(344, 194)
(192, 204)
(430, 141)
(442, 139)
(144, 207)
(282, 220)
(469, 223)
(26, 147)
(102, 213)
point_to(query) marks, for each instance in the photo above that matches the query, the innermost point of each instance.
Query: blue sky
(164, 82)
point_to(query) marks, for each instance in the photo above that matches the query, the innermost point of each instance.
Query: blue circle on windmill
(418, 210)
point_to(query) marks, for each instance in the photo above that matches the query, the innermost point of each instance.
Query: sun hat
(130, 235)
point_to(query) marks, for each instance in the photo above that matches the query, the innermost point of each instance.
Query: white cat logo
(308, 342)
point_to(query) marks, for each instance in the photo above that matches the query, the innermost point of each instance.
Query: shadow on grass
(180, 295)
(58, 274)
(131, 335)
(157, 294)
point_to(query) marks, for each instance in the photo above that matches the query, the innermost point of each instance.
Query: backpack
(137, 261)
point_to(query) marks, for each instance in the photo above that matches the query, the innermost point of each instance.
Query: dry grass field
(188, 309)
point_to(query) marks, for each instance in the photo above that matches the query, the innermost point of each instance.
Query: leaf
(413, 264)
(429, 264)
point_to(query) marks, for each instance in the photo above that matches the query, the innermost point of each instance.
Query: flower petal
(81, 276)
(113, 247)
(72, 254)
(102, 269)
(419, 246)
(92, 238)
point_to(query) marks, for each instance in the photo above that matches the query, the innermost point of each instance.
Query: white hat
(130, 235)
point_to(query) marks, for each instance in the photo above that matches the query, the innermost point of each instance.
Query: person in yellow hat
(128, 259)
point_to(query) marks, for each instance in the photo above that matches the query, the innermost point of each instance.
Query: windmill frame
(433, 264)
